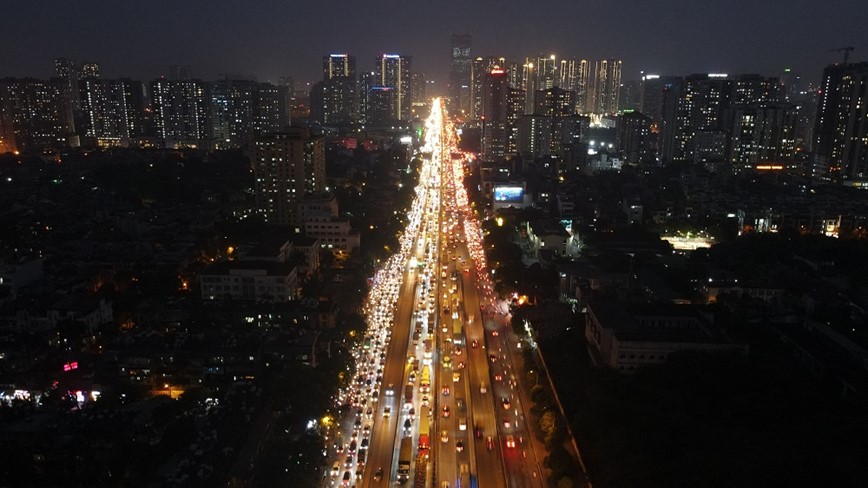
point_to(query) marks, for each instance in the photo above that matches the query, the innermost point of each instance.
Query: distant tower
(460, 74)
(393, 70)
(90, 69)
(607, 84)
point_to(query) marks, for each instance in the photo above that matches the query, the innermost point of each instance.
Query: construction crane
(847, 50)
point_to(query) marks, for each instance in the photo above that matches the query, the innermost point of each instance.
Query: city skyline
(766, 42)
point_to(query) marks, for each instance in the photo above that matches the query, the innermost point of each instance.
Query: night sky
(270, 38)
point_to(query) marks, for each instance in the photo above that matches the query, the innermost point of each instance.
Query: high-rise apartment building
(539, 73)
(69, 71)
(634, 139)
(514, 112)
(242, 109)
(381, 106)
(761, 134)
(607, 84)
(494, 113)
(287, 165)
(555, 102)
(546, 71)
(573, 75)
(841, 128)
(340, 66)
(334, 100)
(394, 70)
(90, 69)
(480, 67)
(695, 104)
(33, 115)
(179, 72)
(112, 111)
(181, 111)
(419, 91)
(460, 75)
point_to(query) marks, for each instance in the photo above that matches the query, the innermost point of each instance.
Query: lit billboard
(509, 194)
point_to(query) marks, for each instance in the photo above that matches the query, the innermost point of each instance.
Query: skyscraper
(494, 113)
(841, 129)
(33, 115)
(182, 111)
(693, 105)
(179, 72)
(112, 110)
(334, 100)
(546, 72)
(418, 89)
(460, 75)
(90, 69)
(761, 134)
(555, 102)
(607, 83)
(573, 75)
(286, 165)
(480, 67)
(69, 71)
(393, 70)
(514, 112)
(341, 66)
(381, 110)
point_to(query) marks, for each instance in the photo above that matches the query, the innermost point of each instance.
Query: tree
(547, 423)
(565, 482)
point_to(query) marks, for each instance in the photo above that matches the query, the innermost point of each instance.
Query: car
(412, 412)
(387, 412)
(489, 443)
(477, 431)
(390, 391)
(474, 344)
(425, 401)
(378, 475)
(345, 481)
(506, 404)
(506, 423)
(459, 446)
(444, 436)
(456, 376)
(353, 446)
(370, 412)
(510, 441)
(446, 411)
(407, 424)
(462, 423)
(365, 443)
(497, 377)
(482, 389)
(445, 391)
(348, 462)
(336, 468)
(492, 358)
(495, 333)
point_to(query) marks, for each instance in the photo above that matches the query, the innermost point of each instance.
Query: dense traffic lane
(384, 435)
(489, 460)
